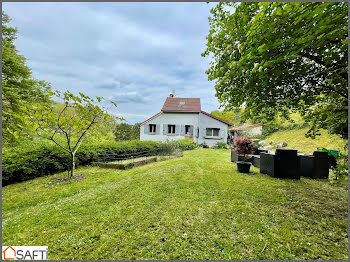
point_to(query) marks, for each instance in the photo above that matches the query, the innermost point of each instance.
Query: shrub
(221, 145)
(24, 163)
(186, 144)
(244, 145)
(203, 145)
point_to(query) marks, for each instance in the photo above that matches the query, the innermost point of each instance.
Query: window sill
(151, 133)
(171, 134)
(212, 137)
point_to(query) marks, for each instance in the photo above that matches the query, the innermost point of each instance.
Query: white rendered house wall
(197, 122)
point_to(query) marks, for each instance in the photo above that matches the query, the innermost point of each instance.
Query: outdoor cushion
(284, 164)
(306, 165)
(321, 165)
(256, 161)
(314, 166)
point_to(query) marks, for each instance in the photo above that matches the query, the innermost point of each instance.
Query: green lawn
(195, 207)
(296, 140)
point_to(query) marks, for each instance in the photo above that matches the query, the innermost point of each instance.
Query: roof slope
(149, 119)
(219, 119)
(178, 104)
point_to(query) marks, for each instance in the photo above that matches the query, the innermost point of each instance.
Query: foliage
(179, 210)
(203, 145)
(78, 119)
(277, 57)
(186, 144)
(124, 132)
(328, 114)
(291, 122)
(233, 116)
(18, 86)
(341, 172)
(244, 145)
(222, 145)
(23, 163)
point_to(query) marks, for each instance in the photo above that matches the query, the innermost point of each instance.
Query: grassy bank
(195, 207)
(296, 140)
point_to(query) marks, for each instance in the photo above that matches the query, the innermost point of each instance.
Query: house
(246, 130)
(9, 253)
(184, 118)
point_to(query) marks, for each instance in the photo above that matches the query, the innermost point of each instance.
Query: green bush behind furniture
(24, 163)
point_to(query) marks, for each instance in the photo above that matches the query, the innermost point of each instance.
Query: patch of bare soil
(68, 178)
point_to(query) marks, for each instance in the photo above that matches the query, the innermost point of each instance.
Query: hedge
(24, 163)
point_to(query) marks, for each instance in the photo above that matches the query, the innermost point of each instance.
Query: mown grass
(195, 207)
(296, 140)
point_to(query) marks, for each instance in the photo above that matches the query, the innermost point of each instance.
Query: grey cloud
(143, 50)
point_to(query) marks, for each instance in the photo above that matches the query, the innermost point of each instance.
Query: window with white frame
(171, 129)
(212, 132)
(152, 128)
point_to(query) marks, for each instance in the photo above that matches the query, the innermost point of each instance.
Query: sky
(134, 54)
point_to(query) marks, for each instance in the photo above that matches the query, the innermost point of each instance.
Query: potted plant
(244, 146)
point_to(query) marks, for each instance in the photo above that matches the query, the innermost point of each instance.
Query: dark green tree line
(19, 88)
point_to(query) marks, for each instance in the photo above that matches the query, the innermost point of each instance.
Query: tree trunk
(73, 165)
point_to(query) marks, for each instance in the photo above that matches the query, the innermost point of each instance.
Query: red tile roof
(176, 104)
(243, 127)
(149, 119)
(219, 119)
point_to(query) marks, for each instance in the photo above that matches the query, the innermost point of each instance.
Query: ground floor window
(152, 128)
(171, 129)
(187, 129)
(212, 132)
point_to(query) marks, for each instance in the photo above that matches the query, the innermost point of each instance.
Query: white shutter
(183, 129)
(157, 129)
(221, 133)
(177, 129)
(146, 129)
(191, 130)
(165, 129)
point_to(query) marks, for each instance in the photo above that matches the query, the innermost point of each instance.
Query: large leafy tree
(276, 58)
(18, 85)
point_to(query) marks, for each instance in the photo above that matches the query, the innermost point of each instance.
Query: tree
(69, 125)
(18, 85)
(233, 117)
(276, 58)
(124, 132)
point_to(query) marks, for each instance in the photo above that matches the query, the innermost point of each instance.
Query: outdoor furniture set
(286, 163)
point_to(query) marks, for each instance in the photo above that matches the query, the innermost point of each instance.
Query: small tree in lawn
(244, 146)
(70, 125)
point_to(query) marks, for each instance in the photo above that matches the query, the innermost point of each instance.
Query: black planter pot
(243, 167)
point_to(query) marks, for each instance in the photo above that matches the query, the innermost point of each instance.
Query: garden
(194, 207)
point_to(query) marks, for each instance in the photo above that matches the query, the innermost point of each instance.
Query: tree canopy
(125, 132)
(233, 116)
(275, 58)
(18, 85)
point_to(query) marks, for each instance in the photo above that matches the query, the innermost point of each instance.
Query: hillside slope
(296, 140)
